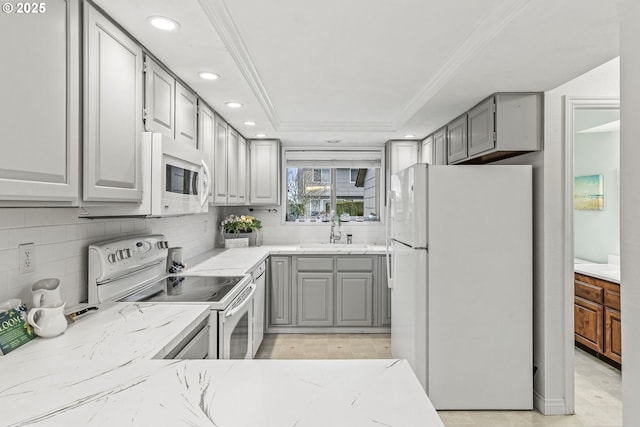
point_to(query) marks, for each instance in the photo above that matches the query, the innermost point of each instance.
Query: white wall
(553, 364)
(630, 210)
(596, 233)
(61, 240)
(552, 339)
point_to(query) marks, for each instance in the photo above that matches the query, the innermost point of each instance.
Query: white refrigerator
(460, 273)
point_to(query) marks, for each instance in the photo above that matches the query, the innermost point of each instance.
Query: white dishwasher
(259, 279)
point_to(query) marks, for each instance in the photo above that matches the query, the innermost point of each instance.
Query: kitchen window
(353, 175)
(322, 185)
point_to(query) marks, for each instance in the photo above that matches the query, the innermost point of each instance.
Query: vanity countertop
(101, 372)
(609, 271)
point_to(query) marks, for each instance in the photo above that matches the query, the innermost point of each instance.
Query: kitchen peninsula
(102, 371)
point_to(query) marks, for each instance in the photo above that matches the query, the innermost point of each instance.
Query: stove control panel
(115, 258)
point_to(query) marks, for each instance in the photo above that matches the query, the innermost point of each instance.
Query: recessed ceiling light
(410, 135)
(333, 141)
(249, 123)
(209, 76)
(163, 23)
(261, 135)
(233, 104)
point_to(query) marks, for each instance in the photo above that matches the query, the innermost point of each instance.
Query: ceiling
(365, 71)
(596, 120)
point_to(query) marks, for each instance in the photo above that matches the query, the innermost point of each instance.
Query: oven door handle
(246, 301)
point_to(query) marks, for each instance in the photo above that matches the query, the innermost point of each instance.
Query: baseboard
(328, 330)
(549, 406)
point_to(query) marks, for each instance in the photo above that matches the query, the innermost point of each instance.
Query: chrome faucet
(335, 235)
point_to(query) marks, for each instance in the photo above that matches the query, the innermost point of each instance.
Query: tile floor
(325, 346)
(598, 385)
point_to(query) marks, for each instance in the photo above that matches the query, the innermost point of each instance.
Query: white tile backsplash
(38, 216)
(18, 236)
(275, 232)
(11, 218)
(4, 239)
(61, 240)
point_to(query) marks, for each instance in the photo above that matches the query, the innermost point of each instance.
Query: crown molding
(486, 30)
(336, 126)
(220, 17)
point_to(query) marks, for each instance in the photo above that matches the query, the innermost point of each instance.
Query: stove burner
(186, 289)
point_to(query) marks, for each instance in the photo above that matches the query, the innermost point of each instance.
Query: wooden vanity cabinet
(612, 323)
(597, 316)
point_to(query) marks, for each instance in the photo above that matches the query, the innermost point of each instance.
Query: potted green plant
(244, 226)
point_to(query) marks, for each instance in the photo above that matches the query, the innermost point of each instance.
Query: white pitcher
(46, 292)
(50, 320)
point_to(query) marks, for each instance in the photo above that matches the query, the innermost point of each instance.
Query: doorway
(592, 159)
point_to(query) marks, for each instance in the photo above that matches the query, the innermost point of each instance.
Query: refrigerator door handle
(390, 197)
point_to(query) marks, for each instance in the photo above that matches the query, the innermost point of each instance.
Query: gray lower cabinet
(383, 306)
(330, 291)
(280, 291)
(315, 299)
(354, 299)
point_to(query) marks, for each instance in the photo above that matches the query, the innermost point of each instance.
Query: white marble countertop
(243, 260)
(117, 333)
(100, 372)
(222, 393)
(609, 271)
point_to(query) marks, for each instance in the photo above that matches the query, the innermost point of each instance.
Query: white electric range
(133, 269)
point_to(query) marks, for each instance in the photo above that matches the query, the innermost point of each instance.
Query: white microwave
(175, 181)
(180, 178)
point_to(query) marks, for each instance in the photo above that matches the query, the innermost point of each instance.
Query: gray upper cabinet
(186, 116)
(160, 89)
(503, 125)
(113, 112)
(170, 107)
(315, 299)
(401, 154)
(39, 112)
(242, 170)
(440, 146)
(264, 175)
(220, 162)
(457, 139)
(232, 169)
(354, 299)
(481, 121)
(279, 293)
(426, 150)
(206, 136)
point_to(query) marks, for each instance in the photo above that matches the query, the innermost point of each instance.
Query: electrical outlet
(27, 253)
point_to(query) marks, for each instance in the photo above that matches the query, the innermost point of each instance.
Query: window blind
(337, 159)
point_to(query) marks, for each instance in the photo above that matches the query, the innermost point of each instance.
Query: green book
(14, 329)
